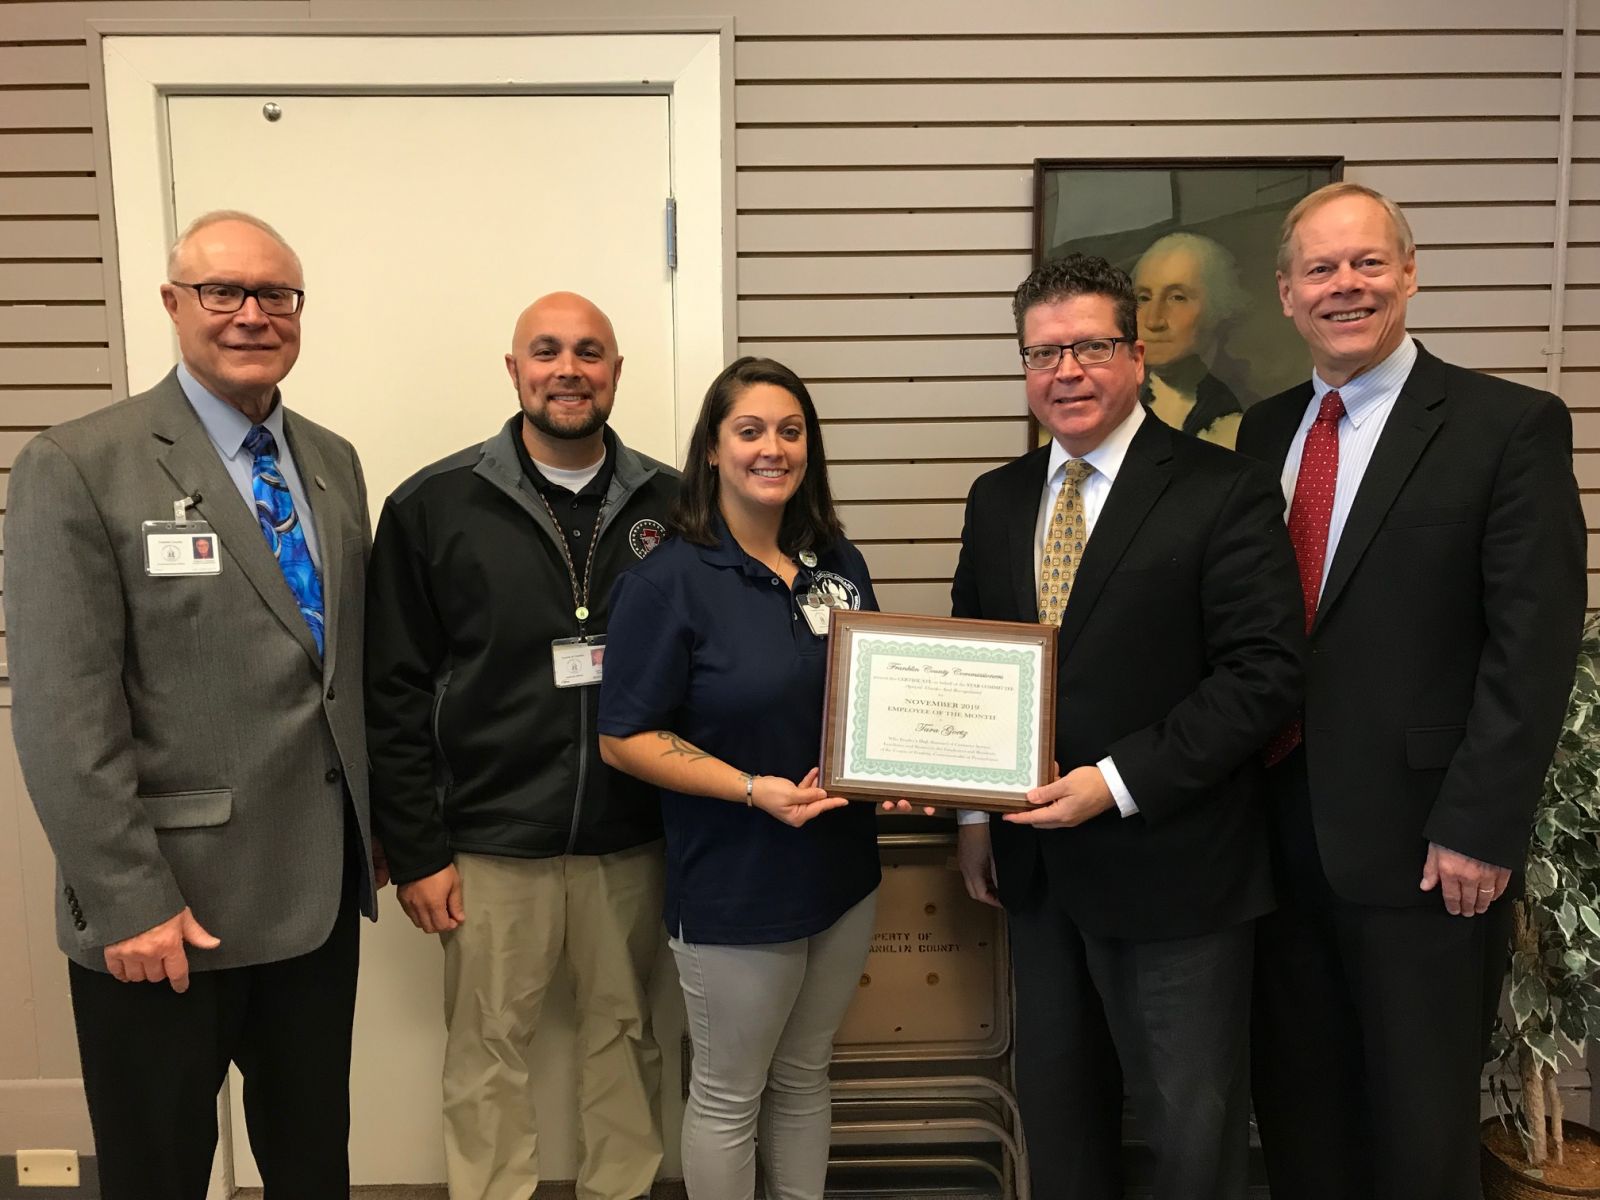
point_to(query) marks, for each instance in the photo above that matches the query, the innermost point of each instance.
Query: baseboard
(88, 1182)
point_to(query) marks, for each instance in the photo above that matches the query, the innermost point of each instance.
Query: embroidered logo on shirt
(645, 536)
(836, 589)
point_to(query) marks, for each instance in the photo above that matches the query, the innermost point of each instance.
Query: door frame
(136, 65)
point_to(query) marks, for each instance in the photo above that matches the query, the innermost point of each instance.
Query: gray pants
(762, 1020)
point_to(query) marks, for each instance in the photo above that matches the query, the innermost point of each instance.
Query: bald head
(565, 309)
(565, 366)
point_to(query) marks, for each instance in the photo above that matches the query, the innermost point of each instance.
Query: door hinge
(672, 233)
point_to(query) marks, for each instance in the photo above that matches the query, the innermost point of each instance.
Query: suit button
(79, 925)
(333, 775)
(330, 693)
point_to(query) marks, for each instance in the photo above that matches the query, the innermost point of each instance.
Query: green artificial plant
(1555, 948)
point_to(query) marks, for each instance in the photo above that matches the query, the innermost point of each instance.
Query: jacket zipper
(438, 742)
(583, 753)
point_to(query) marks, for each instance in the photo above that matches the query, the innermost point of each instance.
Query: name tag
(180, 548)
(576, 661)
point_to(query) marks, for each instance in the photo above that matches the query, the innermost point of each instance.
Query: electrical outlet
(47, 1168)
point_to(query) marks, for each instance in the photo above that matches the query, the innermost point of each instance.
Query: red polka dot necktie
(1309, 516)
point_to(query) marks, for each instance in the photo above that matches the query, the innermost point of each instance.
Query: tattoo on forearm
(676, 746)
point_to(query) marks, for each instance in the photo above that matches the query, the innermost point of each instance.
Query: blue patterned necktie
(280, 525)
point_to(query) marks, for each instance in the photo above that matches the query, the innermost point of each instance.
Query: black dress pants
(153, 1061)
(1169, 1016)
(1370, 1030)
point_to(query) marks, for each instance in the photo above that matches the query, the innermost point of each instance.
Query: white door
(425, 225)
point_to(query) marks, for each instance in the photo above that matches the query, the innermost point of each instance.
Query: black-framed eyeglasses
(230, 297)
(1089, 352)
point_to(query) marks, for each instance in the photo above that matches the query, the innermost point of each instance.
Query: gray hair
(1338, 191)
(216, 217)
(1219, 274)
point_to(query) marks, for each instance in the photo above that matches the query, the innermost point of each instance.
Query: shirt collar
(595, 487)
(1106, 458)
(224, 424)
(1374, 387)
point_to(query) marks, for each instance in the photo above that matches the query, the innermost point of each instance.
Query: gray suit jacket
(181, 738)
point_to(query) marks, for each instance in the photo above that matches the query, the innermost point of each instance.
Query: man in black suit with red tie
(1134, 883)
(1441, 553)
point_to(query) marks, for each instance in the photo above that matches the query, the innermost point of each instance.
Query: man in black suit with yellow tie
(1134, 883)
(1441, 552)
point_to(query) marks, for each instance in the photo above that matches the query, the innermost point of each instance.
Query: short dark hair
(809, 519)
(1077, 274)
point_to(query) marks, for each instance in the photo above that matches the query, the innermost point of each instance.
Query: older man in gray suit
(184, 586)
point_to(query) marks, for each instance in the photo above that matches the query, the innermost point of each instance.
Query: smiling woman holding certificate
(715, 666)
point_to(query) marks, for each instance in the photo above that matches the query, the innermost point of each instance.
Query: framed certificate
(938, 710)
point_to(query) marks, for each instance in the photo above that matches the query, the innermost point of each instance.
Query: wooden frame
(1209, 314)
(840, 697)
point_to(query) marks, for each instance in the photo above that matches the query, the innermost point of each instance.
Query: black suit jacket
(1180, 655)
(1445, 640)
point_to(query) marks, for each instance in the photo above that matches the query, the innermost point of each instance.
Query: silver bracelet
(749, 789)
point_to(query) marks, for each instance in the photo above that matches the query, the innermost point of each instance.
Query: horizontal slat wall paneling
(43, 407)
(1106, 100)
(889, 521)
(999, 145)
(917, 440)
(55, 364)
(68, 237)
(1594, 589)
(1144, 18)
(1487, 349)
(1586, 465)
(51, 281)
(1000, 188)
(1591, 511)
(930, 598)
(918, 316)
(885, 274)
(51, 195)
(54, 21)
(44, 108)
(46, 151)
(1012, 187)
(919, 399)
(51, 323)
(791, 275)
(30, 66)
(11, 443)
(1158, 58)
(923, 560)
(914, 481)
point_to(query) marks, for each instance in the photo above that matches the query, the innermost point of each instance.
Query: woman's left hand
(793, 803)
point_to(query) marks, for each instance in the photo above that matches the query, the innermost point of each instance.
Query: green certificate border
(867, 647)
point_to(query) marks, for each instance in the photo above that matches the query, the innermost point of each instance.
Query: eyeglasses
(1089, 352)
(230, 298)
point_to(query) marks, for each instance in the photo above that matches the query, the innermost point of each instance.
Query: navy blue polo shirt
(709, 644)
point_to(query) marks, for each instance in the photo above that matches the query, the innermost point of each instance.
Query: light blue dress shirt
(227, 428)
(1368, 400)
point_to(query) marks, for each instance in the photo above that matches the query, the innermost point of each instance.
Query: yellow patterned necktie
(1064, 540)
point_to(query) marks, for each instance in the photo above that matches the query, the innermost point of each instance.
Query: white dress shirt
(1368, 400)
(1106, 459)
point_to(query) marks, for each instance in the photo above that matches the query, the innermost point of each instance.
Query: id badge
(576, 660)
(180, 548)
(818, 612)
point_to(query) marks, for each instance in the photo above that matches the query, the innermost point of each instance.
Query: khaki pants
(604, 912)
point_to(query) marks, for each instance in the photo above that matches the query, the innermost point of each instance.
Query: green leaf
(1529, 997)
(1591, 919)
(1545, 1050)
(1575, 962)
(1567, 918)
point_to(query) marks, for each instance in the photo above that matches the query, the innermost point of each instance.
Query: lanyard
(580, 591)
